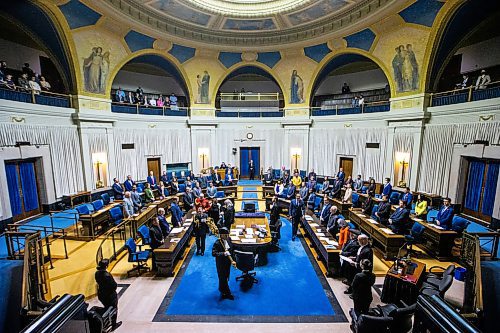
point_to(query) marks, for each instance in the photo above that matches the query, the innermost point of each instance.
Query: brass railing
(242, 96)
(467, 93)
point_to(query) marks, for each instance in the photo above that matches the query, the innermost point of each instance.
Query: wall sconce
(203, 153)
(403, 159)
(99, 159)
(296, 153)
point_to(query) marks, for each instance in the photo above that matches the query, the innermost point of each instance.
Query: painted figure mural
(203, 83)
(405, 67)
(296, 89)
(96, 71)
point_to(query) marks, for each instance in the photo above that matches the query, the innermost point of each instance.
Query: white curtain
(325, 145)
(64, 150)
(172, 146)
(437, 151)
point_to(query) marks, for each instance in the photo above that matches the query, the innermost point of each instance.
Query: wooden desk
(433, 199)
(343, 207)
(143, 217)
(248, 222)
(330, 256)
(388, 243)
(284, 204)
(406, 288)
(172, 249)
(437, 242)
(79, 197)
(96, 223)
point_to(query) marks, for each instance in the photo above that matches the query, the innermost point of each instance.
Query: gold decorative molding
(249, 56)
(162, 45)
(487, 117)
(16, 119)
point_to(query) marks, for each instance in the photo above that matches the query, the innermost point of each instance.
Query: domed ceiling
(249, 23)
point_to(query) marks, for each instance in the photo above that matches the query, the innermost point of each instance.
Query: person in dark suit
(350, 249)
(324, 214)
(367, 206)
(399, 221)
(296, 212)
(384, 210)
(325, 187)
(387, 189)
(214, 211)
(156, 239)
(290, 193)
(268, 178)
(216, 178)
(445, 215)
(341, 175)
(164, 226)
(188, 199)
(129, 183)
(200, 230)
(106, 290)
(372, 186)
(337, 187)
(275, 211)
(285, 179)
(118, 191)
(228, 214)
(407, 198)
(174, 186)
(152, 180)
(251, 169)
(332, 227)
(312, 174)
(222, 251)
(364, 252)
(362, 287)
(164, 178)
(175, 210)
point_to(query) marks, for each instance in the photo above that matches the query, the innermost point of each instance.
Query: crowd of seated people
(141, 98)
(27, 80)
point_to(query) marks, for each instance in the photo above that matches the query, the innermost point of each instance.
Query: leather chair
(431, 215)
(415, 237)
(245, 262)
(83, 209)
(105, 198)
(364, 189)
(434, 278)
(355, 200)
(98, 204)
(116, 214)
(140, 257)
(143, 233)
(394, 198)
(219, 194)
(374, 210)
(275, 236)
(443, 285)
(101, 319)
(369, 324)
(317, 203)
(459, 224)
(401, 316)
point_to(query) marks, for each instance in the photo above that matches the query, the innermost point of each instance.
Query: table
(437, 242)
(406, 288)
(95, 223)
(383, 239)
(172, 249)
(434, 199)
(329, 254)
(239, 235)
(342, 206)
(71, 198)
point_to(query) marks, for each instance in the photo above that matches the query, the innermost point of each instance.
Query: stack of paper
(324, 239)
(249, 240)
(418, 220)
(175, 240)
(176, 231)
(362, 215)
(186, 224)
(319, 230)
(248, 236)
(261, 225)
(249, 231)
(330, 247)
(309, 218)
(387, 231)
(189, 220)
(436, 226)
(332, 242)
(372, 221)
(240, 226)
(314, 225)
(320, 234)
(234, 238)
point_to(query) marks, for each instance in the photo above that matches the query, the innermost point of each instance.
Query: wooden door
(346, 163)
(154, 165)
(23, 188)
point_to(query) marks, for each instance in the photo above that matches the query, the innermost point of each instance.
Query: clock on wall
(249, 136)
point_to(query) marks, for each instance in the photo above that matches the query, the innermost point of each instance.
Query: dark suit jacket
(290, 192)
(400, 220)
(164, 179)
(164, 226)
(387, 189)
(156, 236)
(296, 209)
(128, 184)
(366, 253)
(222, 262)
(350, 248)
(362, 286)
(341, 176)
(200, 227)
(188, 201)
(337, 186)
(275, 213)
(229, 217)
(384, 211)
(368, 206)
(176, 215)
(268, 178)
(444, 217)
(106, 287)
(152, 181)
(325, 213)
(117, 191)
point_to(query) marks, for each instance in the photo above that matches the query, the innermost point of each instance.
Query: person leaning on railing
(483, 80)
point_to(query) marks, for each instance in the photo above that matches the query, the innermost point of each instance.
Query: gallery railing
(149, 109)
(19, 94)
(468, 94)
(250, 113)
(382, 106)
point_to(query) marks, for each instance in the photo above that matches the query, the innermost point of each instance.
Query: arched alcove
(363, 76)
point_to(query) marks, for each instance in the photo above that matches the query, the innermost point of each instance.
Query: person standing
(222, 250)
(296, 211)
(251, 169)
(106, 290)
(228, 214)
(214, 211)
(176, 212)
(200, 230)
(362, 287)
(118, 191)
(156, 239)
(445, 215)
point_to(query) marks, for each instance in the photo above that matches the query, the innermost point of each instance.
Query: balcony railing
(463, 95)
(42, 98)
(250, 96)
(249, 113)
(382, 106)
(149, 110)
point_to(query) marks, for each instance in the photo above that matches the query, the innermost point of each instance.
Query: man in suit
(268, 178)
(197, 189)
(407, 198)
(350, 249)
(332, 227)
(400, 219)
(384, 210)
(216, 178)
(128, 205)
(222, 251)
(228, 214)
(311, 184)
(200, 230)
(325, 187)
(228, 181)
(358, 184)
(296, 212)
(211, 190)
(251, 169)
(303, 191)
(188, 199)
(106, 290)
(367, 206)
(387, 189)
(156, 239)
(337, 187)
(364, 252)
(341, 175)
(129, 183)
(164, 178)
(312, 174)
(117, 189)
(136, 199)
(324, 215)
(445, 215)
(290, 193)
(152, 180)
(285, 179)
(164, 226)
(176, 212)
(362, 287)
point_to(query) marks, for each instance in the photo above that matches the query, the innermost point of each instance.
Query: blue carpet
(291, 288)
(246, 182)
(251, 195)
